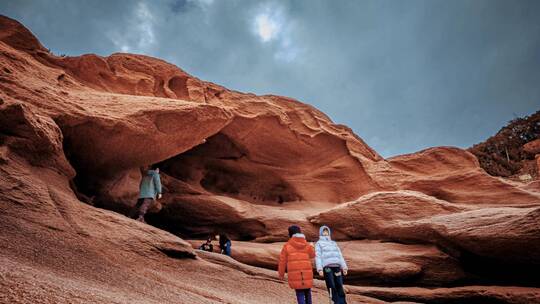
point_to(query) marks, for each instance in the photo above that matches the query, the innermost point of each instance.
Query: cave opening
(84, 183)
(217, 168)
(91, 183)
(220, 166)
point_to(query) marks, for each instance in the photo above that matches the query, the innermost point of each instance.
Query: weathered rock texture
(75, 130)
(369, 262)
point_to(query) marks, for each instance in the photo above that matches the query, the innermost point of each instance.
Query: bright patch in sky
(271, 24)
(207, 2)
(266, 26)
(138, 36)
(145, 26)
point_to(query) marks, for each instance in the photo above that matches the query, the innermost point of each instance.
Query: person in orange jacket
(295, 258)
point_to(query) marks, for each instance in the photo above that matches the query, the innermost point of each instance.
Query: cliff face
(75, 130)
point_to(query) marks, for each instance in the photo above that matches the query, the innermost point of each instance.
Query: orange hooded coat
(296, 257)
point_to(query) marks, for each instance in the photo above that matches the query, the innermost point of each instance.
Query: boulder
(372, 214)
(506, 234)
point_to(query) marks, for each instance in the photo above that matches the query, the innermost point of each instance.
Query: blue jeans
(334, 283)
(303, 296)
(226, 249)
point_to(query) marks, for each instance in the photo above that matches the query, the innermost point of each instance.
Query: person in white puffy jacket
(331, 265)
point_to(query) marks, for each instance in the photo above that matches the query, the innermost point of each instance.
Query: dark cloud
(181, 6)
(405, 75)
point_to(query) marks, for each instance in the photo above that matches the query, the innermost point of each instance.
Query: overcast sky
(404, 75)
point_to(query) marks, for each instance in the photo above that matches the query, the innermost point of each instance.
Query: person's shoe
(141, 219)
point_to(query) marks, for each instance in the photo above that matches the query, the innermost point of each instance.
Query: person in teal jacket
(149, 191)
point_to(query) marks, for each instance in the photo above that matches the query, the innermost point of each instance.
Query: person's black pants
(141, 207)
(334, 283)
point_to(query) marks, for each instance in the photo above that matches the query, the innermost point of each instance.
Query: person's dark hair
(294, 230)
(223, 238)
(154, 166)
(209, 238)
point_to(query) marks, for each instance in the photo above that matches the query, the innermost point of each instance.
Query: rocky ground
(427, 227)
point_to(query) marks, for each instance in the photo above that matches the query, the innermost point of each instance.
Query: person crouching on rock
(295, 258)
(331, 265)
(208, 245)
(224, 244)
(149, 191)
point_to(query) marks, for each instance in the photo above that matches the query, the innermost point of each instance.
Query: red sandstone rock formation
(373, 215)
(79, 128)
(449, 174)
(369, 262)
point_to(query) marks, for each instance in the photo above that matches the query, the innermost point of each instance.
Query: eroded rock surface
(369, 262)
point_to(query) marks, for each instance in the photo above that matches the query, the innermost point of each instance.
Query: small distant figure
(331, 265)
(208, 245)
(149, 191)
(295, 259)
(224, 244)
